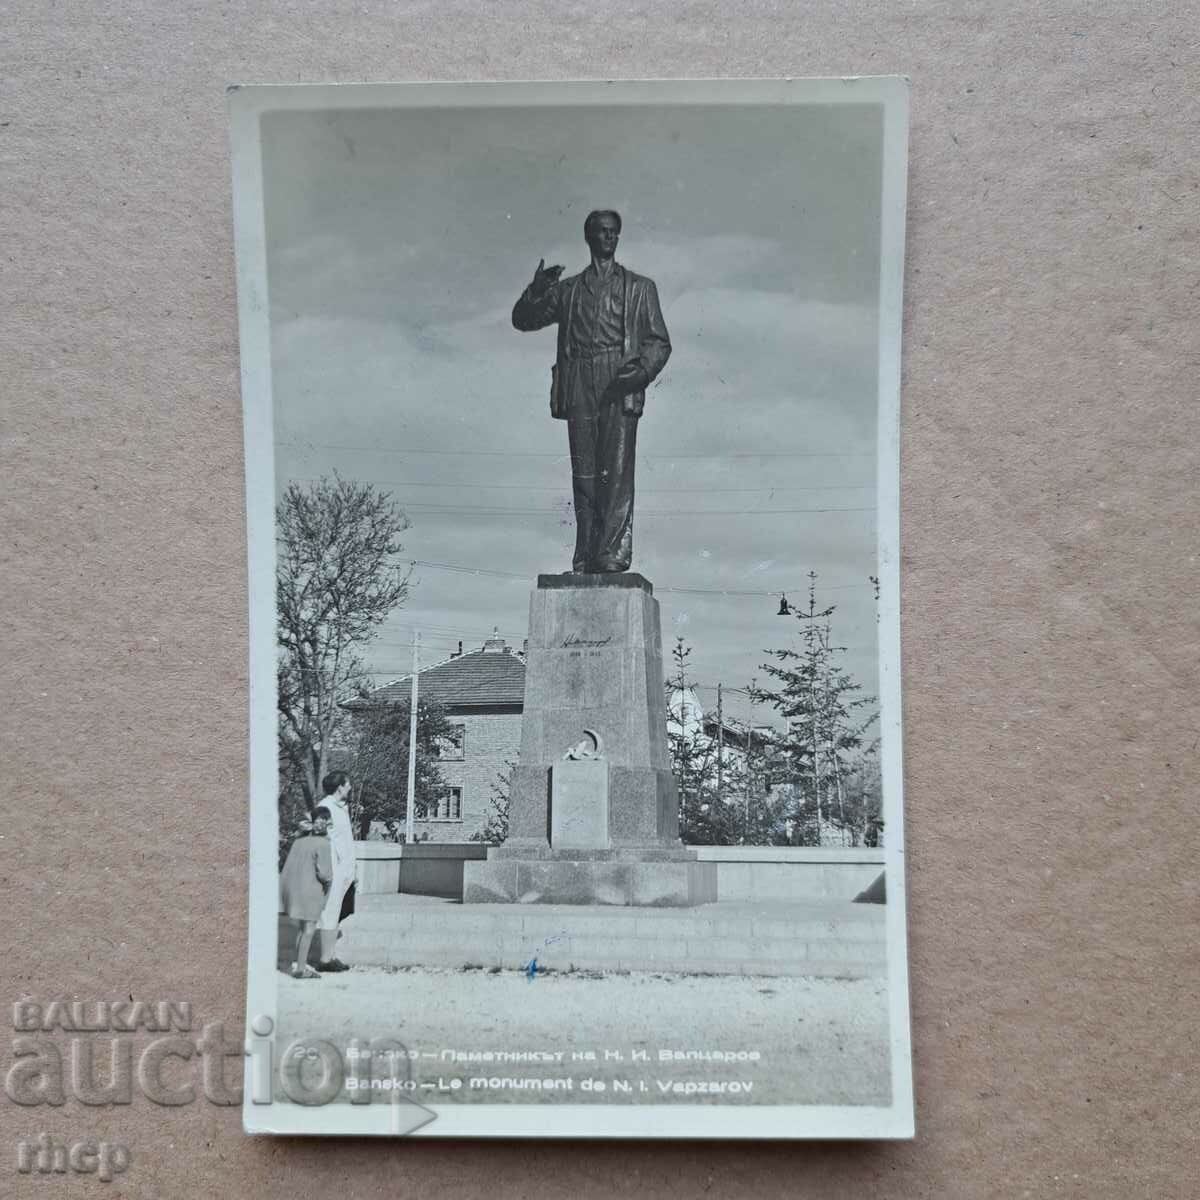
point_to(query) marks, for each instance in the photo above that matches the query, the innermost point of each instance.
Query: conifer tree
(827, 719)
(704, 818)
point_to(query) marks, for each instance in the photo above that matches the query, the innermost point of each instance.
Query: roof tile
(477, 677)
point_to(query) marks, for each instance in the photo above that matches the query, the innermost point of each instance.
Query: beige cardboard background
(1049, 569)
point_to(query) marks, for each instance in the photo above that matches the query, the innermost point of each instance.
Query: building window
(452, 746)
(449, 805)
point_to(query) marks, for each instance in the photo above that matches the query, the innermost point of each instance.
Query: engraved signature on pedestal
(590, 643)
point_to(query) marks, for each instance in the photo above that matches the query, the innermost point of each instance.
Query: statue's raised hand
(544, 278)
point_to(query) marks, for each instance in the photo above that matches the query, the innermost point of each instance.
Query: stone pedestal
(579, 805)
(594, 662)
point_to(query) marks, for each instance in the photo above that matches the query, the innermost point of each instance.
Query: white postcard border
(247, 105)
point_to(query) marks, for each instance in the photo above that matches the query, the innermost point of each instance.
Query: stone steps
(842, 940)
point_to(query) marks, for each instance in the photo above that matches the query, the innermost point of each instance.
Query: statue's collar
(590, 273)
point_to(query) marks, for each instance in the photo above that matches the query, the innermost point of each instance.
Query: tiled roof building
(492, 677)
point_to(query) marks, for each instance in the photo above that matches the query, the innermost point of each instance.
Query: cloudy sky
(397, 243)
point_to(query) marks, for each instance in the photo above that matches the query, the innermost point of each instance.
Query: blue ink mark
(531, 968)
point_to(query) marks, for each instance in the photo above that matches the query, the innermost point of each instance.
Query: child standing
(303, 885)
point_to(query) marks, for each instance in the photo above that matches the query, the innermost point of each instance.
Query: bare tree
(495, 829)
(337, 579)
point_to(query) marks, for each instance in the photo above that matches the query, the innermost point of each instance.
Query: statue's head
(601, 231)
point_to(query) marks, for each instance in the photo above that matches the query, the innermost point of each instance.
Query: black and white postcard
(571, 427)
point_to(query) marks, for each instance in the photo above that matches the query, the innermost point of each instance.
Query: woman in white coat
(336, 786)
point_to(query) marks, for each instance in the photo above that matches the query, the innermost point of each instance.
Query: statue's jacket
(646, 341)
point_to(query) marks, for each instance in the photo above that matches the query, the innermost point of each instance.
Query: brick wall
(490, 741)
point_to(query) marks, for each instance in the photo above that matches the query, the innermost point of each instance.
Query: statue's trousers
(602, 439)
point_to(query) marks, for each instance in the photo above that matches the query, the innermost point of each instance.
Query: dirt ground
(794, 1041)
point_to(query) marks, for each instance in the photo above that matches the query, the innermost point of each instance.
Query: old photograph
(571, 427)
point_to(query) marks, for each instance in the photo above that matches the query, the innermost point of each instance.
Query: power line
(460, 568)
(452, 636)
(555, 454)
(464, 510)
(448, 636)
(565, 490)
(840, 587)
(434, 627)
(690, 514)
(420, 562)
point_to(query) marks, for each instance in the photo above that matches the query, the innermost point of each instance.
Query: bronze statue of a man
(612, 341)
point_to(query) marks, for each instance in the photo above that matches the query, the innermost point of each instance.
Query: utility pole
(749, 763)
(814, 658)
(720, 748)
(409, 835)
(833, 749)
